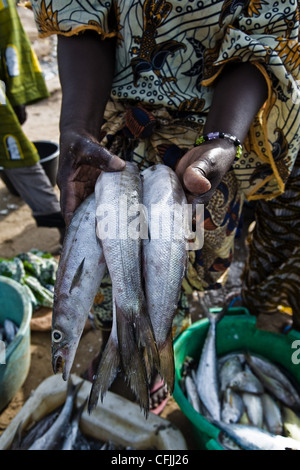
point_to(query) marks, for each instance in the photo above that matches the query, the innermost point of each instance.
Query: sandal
(158, 389)
(91, 370)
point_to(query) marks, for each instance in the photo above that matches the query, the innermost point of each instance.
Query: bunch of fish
(146, 274)
(60, 429)
(57, 430)
(247, 396)
(8, 331)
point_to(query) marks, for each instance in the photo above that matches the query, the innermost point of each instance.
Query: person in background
(208, 88)
(22, 83)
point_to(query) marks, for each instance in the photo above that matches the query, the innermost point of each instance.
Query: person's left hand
(20, 111)
(202, 168)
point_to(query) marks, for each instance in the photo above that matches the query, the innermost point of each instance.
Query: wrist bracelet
(222, 135)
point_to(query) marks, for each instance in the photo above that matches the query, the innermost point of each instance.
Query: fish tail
(146, 343)
(79, 410)
(167, 366)
(73, 389)
(107, 371)
(214, 317)
(132, 361)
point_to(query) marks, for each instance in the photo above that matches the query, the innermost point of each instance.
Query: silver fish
(207, 373)
(254, 408)
(164, 258)
(118, 201)
(36, 431)
(246, 381)
(291, 423)
(73, 429)
(229, 356)
(226, 442)
(274, 381)
(51, 439)
(10, 330)
(272, 414)
(79, 275)
(253, 438)
(228, 370)
(232, 407)
(192, 393)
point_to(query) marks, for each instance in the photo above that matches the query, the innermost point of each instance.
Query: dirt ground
(19, 233)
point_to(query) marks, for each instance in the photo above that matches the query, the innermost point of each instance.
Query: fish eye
(56, 336)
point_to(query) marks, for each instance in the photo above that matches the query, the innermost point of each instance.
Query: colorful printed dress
(21, 83)
(168, 55)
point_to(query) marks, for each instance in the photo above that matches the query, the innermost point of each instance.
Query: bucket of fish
(237, 384)
(15, 315)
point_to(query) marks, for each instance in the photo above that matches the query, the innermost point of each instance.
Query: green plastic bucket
(15, 358)
(235, 332)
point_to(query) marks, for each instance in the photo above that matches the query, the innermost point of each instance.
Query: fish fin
(132, 360)
(167, 365)
(77, 276)
(107, 371)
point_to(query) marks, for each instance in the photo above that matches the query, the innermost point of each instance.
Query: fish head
(63, 353)
(65, 336)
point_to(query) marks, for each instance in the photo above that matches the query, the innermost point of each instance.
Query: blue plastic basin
(15, 358)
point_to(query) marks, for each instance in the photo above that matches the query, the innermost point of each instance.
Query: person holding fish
(209, 89)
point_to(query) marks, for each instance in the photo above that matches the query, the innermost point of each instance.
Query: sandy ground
(19, 233)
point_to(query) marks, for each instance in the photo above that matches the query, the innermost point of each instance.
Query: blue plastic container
(15, 358)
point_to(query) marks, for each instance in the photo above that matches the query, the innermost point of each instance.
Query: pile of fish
(251, 400)
(8, 331)
(60, 429)
(146, 273)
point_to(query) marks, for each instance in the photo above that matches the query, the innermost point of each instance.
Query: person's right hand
(81, 161)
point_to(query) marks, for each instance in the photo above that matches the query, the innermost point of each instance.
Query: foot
(158, 395)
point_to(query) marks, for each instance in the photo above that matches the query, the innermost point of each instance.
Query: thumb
(195, 179)
(99, 157)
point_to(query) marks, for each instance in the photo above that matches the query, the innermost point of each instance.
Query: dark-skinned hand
(81, 161)
(202, 168)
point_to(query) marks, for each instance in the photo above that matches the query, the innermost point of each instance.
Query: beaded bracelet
(222, 135)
